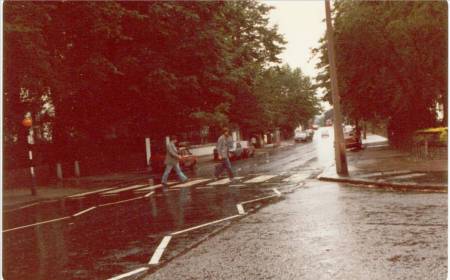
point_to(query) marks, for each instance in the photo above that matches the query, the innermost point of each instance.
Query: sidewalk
(379, 165)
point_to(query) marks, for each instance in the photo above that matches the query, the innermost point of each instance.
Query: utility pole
(339, 143)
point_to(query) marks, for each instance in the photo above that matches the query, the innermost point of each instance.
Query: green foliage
(287, 98)
(391, 60)
(148, 68)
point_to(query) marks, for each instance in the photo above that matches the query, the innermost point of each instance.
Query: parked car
(310, 134)
(352, 138)
(324, 133)
(188, 160)
(300, 136)
(240, 149)
(249, 149)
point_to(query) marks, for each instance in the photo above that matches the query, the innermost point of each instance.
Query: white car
(325, 133)
(300, 136)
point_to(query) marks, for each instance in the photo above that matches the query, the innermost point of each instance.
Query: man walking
(224, 143)
(172, 161)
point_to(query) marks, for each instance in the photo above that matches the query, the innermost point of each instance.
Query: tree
(386, 67)
(287, 98)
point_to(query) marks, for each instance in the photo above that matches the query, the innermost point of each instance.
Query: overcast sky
(301, 23)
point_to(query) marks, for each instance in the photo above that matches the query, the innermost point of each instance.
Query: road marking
(150, 188)
(296, 178)
(204, 225)
(149, 194)
(277, 191)
(160, 250)
(121, 276)
(414, 175)
(191, 183)
(240, 209)
(86, 193)
(223, 181)
(84, 211)
(23, 207)
(36, 224)
(258, 199)
(125, 189)
(119, 202)
(260, 179)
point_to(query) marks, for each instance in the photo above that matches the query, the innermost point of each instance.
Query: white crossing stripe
(223, 181)
(408, 176)
(260, 179)
(160, 250)
(125, 189)
(296, 178)
(121, 276)
(84, 211)
(204, 225)
(191, 183)
(86, 193)
(36, 224)
(240, 209)
(150, 188)
(276, 191)
(149, 194)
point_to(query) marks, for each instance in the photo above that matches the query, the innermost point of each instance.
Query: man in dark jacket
(224, 143)
(172, 161)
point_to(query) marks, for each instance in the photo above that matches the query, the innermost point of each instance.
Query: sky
(302, 25)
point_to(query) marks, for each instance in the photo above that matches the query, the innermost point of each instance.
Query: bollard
(148, 151)
(77, 169)
(59, 172)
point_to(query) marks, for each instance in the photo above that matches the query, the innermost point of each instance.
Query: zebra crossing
(202, 183)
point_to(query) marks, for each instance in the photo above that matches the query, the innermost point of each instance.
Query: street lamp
(28, 124)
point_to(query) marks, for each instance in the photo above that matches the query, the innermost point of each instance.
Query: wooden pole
(339, 143)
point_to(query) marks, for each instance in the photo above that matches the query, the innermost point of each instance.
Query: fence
(429, 150)
(117, 155)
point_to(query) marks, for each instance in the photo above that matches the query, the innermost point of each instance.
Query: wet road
(327, 231)
(105, 234)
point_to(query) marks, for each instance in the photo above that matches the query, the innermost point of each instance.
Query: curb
(398, 186)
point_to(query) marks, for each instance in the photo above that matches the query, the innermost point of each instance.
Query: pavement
(379, 165)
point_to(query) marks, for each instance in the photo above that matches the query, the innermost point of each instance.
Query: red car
(188, 160)
(352, 139)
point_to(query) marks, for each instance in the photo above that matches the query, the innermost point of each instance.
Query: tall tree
(392, 62)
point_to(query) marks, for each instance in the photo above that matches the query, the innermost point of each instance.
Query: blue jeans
(180, 173)
(226, 164)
